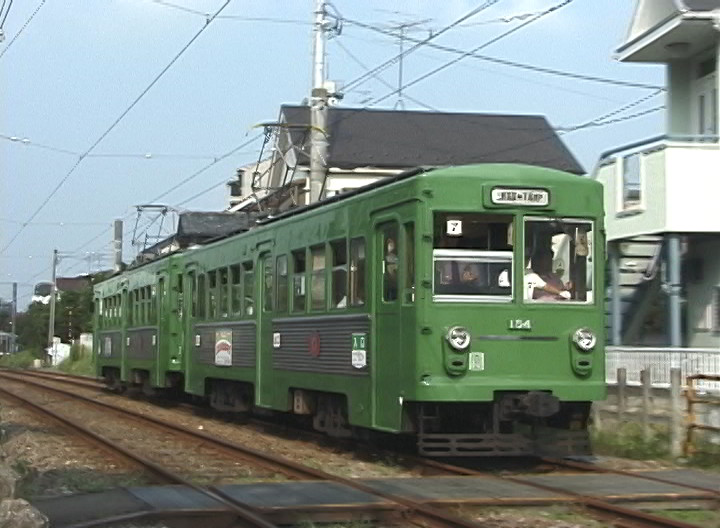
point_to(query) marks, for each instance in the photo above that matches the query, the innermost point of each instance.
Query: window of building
(631, 181)
(235, 290)
(317, 278)
(298, 281)
(281, 270)
(248, 288)
(357, 271)
(339, 278)
(472, 257)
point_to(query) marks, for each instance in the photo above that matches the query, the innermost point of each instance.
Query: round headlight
(458, 337)
(585, 339)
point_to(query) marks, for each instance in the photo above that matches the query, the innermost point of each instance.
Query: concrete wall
(649, 217)
(679, 190)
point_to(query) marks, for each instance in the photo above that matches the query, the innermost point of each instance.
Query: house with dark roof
(661, 193)
(366, 145)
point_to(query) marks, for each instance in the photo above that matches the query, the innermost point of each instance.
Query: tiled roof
(406, 139)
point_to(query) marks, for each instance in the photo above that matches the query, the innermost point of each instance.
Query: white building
(661, 194)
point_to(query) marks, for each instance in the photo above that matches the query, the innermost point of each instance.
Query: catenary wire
(4, 18)
(510, 63)
(419, 43)
(114, 124)
(22, 28)
(476, 49)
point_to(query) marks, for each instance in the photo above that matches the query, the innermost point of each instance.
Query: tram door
(264, 311)
(394, 296)
(161, 339)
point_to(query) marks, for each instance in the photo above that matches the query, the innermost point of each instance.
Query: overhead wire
(419, 43)
(115, 123)
(510, 63)
(477, 48)
(22, 28)
(380, 79)
(5, 15)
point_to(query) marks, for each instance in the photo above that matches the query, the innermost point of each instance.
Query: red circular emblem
(314, 344)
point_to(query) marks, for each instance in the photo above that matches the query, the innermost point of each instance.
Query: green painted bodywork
(407, 347)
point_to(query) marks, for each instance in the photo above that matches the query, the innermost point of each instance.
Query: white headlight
(458, 337)
(584, 339)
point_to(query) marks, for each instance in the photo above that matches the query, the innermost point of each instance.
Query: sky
(95, 119)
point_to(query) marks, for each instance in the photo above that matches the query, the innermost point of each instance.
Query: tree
(32, 327)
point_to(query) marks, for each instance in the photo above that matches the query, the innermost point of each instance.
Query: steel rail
(596, 469)
(236, 507)
(415, 509)
(287, 467)
(638, 518)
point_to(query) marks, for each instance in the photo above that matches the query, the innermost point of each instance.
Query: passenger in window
(391, 269)
(541, 283)
(469, 274)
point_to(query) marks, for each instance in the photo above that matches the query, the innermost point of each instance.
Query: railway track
(620, 515)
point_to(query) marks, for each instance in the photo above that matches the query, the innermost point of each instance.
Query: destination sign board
(522, 197)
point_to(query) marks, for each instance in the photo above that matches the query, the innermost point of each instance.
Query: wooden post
(646, 388)
(621, 392)
(676, 419)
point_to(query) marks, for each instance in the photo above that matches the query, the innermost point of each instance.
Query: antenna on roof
(403, 27)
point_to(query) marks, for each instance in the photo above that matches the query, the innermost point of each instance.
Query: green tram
(462, 307)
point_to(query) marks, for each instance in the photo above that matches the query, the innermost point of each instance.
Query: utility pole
(13, 319)
(318, 106)
(53, 295)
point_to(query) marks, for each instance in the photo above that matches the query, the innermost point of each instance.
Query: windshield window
(558, 260)
(472, 257)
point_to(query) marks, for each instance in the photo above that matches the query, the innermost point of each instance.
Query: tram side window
(201, 296)
(357, 271)
(223, 296)
(130, 308)
(281, 266)
(298, 281)
(268, 284)
(194, 294)
(212, 294)
(152, 304)
(249, 288)
(409, 293)
(339, 274)
(143, 306)
(558, 260)
(390, 263)
(472, 256)
(317, 278)
(235, 290)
